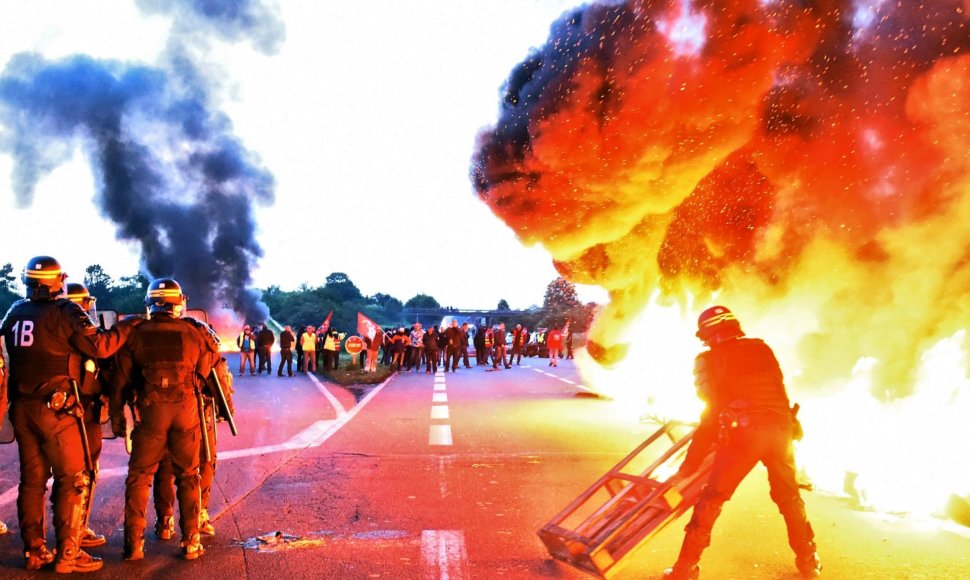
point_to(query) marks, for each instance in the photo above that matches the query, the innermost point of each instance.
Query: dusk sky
(365, 114)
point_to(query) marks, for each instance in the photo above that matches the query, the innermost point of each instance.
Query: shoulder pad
(204, 327)
(73, 310)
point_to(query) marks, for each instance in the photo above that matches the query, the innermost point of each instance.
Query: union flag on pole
(367, 327)
(325, 325)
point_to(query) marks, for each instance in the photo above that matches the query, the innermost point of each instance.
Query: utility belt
(736, 418)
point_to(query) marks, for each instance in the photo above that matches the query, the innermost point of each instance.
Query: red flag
(367, 327)
(325, 325)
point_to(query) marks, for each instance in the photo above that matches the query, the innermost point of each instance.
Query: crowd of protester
(409, 350)
(310, 349)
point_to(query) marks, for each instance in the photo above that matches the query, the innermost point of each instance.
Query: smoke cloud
(782, 155)
(170, 173)
(230, 20)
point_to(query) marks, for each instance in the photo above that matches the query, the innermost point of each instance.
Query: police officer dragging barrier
(47, 338)
(747, 420)
(162, 369)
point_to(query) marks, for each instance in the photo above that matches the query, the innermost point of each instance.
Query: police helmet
(43, 274)
(165, 296)
(79, 294)
(717, 324)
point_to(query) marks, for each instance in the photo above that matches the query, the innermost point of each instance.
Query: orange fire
(808, 166)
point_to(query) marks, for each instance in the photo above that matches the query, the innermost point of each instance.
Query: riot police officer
(163, 490)
(46, 338)
(747, 419)
(94, 402)
(165, 361)
(3, 411)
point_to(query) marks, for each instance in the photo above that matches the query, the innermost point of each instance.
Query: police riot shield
(105, 320)
(198, 314)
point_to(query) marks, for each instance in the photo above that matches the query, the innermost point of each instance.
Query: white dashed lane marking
(443, 554)
(440, 435)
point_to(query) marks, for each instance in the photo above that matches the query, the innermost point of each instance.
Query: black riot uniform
(3, 411)
(94, 401)
(747, 419)
(164, 361)
(163, 490)
(46, 338)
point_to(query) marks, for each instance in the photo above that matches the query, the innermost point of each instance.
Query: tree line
(310, 304)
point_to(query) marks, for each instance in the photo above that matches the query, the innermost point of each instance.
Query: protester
(264, 342)
(417, 347)
(479, 343)
(309, 342)
(519, 338)
(299, 347)
(399, 343)
(500, 347)
(246, 342)
(443, 347)
(463, 345)
(430, 339)
(554, 342)
(287, 339)
(331, 349)
(373, 347)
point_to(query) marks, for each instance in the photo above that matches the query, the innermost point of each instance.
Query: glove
(119, 426)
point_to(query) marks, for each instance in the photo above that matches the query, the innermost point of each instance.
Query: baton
(206, 450)
(79, 415)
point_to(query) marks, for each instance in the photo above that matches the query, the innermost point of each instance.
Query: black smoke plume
(170, 173)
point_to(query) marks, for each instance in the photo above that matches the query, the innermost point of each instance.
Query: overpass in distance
(470, 315)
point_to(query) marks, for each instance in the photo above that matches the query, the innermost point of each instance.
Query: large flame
(807, 164)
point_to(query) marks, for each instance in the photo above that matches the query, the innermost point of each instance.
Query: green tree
(560, 295)
(8, 289)
(98, 281)
(503, 305)
(422, 301)
(127, 295)
(340, 288)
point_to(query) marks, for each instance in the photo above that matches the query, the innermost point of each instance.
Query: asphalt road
(450, 477)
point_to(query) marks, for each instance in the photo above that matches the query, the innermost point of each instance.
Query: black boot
(71, 558)
(682, 573)
(92, 539)
(134, 545)
(809, 565)
(37, 557)
(192, 548)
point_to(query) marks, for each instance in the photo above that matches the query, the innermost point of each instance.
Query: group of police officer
(66, 377)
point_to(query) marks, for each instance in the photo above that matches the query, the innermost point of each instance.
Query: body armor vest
(37, 337)
(167, 355)
(744, 374)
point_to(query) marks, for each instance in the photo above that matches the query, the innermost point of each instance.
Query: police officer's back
(46, 338)
(165, 361)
